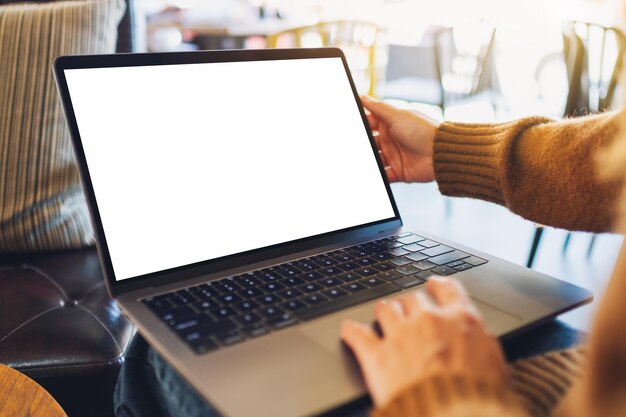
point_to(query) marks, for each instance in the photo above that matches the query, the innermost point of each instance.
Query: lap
(148, 386)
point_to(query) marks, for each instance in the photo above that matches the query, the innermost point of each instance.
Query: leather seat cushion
(56, 317)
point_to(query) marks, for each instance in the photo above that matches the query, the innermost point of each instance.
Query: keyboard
(230, 310)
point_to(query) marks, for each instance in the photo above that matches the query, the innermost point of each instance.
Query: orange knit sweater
(547, 172)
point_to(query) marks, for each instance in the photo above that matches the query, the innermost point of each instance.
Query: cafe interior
(479, 61)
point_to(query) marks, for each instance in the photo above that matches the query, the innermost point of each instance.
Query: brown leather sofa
(58, 325)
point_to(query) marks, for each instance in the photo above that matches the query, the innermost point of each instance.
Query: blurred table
(212, 35)
(20, 396)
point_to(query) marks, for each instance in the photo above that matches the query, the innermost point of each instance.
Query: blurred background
(474, 61)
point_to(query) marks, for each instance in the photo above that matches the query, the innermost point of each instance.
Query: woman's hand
(422, 338)
(405, 139)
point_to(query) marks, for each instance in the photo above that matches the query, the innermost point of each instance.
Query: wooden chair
(593, 56)
(357, 39)
(462, 65)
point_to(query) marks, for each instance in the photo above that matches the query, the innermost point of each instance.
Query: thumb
(381, 110)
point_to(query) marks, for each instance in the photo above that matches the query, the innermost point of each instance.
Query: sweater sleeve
(538, 168)
(453, 396)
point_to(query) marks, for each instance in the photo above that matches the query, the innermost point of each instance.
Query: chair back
(463, 57)
(357, 39)
(594, 57)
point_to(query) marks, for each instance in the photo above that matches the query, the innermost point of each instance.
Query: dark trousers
(148, 386)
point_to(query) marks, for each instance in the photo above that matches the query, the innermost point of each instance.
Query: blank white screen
(198, 161)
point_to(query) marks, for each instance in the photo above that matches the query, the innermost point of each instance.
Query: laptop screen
(193, 162)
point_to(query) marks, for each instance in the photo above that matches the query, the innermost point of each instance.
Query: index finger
(448, 292)
(383, 111)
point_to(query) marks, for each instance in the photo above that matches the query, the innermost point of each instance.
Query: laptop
(242, 212)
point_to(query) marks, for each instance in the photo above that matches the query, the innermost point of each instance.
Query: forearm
(543, 170)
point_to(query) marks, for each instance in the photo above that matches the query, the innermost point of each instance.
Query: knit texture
(545, 171)
(541, 382)
(453, 396)
(528, 165)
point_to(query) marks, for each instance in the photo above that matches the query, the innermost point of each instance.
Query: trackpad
(325, 332)
(497, 321)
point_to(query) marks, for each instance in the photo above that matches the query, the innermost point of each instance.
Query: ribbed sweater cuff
(470, 160)
(452, 396)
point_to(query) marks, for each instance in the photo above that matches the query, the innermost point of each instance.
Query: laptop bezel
(231, 261)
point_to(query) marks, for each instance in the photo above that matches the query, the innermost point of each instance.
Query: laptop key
(455, 255)
(334, 293)
(455, 263)
(410, 239)
(182, 297)
(209, 329)
(268, 299)
(443, 270)
(372, 281)
(424, 275)
(190, 323)
(291, 281)
(271, 312)
(402, 260)
(413, 247)
(310, 287)
(227, 287)
(206, 305)
(327, 262)
(475, 260)
(248, 318)
(368, 271)
(429, 243)
(349, 266)
(384, 266)
(383, 256)
(247, 305)
(255, 330)
(343, 302)
(416, 257)
(250, 292)
(424, 265)
(290, 293)
(177, 313)
(343, 257)
(437, 250)
(329, 282)
(330, 271)
(398, 251)
(366, 261)
(312, 276)
(222, 312)
(354, 287)
(229, 338)
(307, 266)
(158, 304)
(463, 267)
(407, 270)
(229, 299)
(392, 244)
(293, 305)
(270, 277)
(291, 271)
(282, 321)
(390, 275)
(314, 299)
(273, 286)
(409, 281)
(349, 276)
(204, 346)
